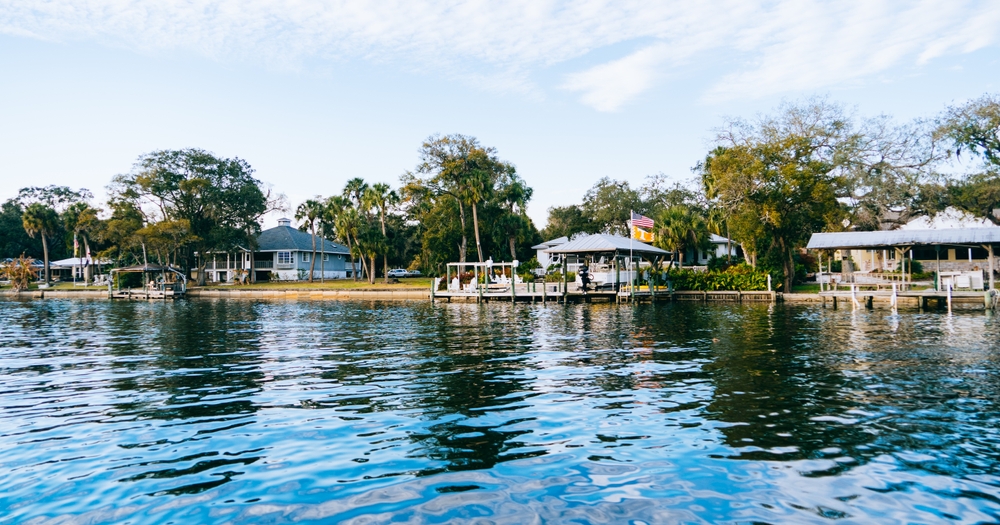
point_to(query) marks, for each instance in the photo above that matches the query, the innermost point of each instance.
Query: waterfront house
(283, 253)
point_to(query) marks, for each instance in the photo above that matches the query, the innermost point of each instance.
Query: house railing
(224, 265)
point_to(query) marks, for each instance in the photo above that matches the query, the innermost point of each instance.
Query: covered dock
(948, 287)
(615, 268)
(157, 282)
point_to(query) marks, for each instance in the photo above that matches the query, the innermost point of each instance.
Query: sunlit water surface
(223, 411)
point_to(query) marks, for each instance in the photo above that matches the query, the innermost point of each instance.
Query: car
(414, 273)
(398, 272)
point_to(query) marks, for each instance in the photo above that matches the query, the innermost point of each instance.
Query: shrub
(735, 278)
(914, 267)
(20, 272)
(557, 277)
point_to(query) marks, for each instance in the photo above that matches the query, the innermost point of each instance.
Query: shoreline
(403, 294)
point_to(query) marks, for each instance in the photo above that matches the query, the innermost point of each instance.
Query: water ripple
(243, 411)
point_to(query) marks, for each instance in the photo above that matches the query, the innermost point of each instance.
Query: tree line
(767, 184)
(178, 207)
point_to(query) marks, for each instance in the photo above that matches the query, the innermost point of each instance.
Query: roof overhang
(901, 238)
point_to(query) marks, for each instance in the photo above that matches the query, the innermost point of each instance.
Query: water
(222, 411)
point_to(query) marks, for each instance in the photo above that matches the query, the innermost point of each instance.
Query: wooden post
(989, 250)
(618, 278)
(937, 277)
(565, 278)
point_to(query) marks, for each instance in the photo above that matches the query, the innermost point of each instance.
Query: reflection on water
(243, 412)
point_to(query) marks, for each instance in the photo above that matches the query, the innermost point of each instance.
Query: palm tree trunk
(312, 261)
(464, 246)
(513, 250)
(371, 274)
(364, 264)
(88, 270)
(729, 246)
(385, 256)
(45, 253)
(475, 227)
(350, 253)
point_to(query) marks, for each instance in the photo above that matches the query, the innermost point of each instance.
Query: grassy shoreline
(410, 283)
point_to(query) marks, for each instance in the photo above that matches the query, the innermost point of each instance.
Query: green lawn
(59, 286)
(334, 284)
(805, 288)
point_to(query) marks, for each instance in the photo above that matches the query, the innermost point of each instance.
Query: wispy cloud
(782, 46)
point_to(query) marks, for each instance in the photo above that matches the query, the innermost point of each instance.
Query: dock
(568, 292)
(856, 297)
(145, 294)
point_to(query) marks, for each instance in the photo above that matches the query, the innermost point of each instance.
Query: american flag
(641, 221)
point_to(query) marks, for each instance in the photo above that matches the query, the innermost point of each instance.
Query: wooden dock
(145, 294)
(915, 298)
(558, 292)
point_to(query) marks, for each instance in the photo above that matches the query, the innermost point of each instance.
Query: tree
(512, 196)
(678, 228)
(463, 169)
(608, 205)
(39, 219)
(82, 221)
(311, 211)
(779, 179)
(13, 238)
(380, 197)
(219, 197)
(55, 197)
(974, 129)
(564, 221)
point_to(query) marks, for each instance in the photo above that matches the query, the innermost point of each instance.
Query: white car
(398, 272)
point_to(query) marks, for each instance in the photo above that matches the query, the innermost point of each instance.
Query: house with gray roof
(283, 253)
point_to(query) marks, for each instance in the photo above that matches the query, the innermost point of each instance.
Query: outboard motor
(585, 276)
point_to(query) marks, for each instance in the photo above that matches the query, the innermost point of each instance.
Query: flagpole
(631, 262)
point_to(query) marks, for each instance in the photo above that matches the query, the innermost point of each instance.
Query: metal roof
(604, 243)
(552, 243)
(718, 239)
(881, 239)
(286, 238)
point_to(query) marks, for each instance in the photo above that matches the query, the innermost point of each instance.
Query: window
(305, 257)
(326, 257)
(284, 258)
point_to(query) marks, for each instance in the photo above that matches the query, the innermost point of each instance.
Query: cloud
(617, 50)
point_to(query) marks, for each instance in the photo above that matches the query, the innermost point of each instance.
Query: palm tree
(347, 224)
(380, 196)
(82, 220)
(679, 228)
(41, 220)
(310, 211)
(513, 196)
(355, 190)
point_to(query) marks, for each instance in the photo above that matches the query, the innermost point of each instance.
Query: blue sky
(313, 93)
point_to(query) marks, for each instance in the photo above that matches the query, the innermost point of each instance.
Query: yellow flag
(640, 234)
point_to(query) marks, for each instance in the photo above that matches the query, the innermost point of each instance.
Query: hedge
(735, 278)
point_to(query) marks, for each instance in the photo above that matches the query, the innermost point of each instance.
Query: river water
(236, 411)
